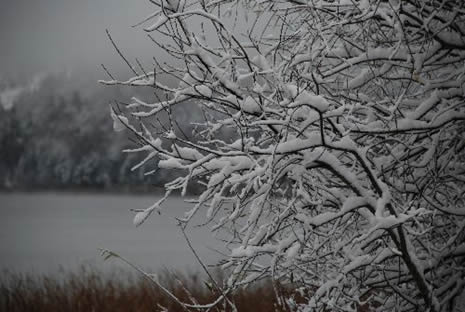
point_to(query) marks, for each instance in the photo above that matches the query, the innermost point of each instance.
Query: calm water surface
(41, 232)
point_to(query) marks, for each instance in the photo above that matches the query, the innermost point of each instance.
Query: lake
(41, 232)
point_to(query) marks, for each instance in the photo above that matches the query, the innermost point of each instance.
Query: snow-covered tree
(343, 170)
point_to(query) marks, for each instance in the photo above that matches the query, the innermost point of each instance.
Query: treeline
(60, 136)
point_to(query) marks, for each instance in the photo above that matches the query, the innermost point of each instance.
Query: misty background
(65, 35)
(55, 125)
(56, 135)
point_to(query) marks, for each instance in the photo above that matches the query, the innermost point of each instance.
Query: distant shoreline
(114, 190)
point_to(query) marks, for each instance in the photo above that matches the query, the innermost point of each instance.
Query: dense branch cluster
(343, 171)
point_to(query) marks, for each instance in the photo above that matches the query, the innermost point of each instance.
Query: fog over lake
(41, 232)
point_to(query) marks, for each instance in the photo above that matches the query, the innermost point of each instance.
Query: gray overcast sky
(57, 35)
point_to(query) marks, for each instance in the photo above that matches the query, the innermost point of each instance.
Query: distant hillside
(56, 132)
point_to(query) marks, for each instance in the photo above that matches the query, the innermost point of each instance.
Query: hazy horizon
(65, 35)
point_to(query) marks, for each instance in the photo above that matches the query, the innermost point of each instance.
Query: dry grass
(89, 290)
